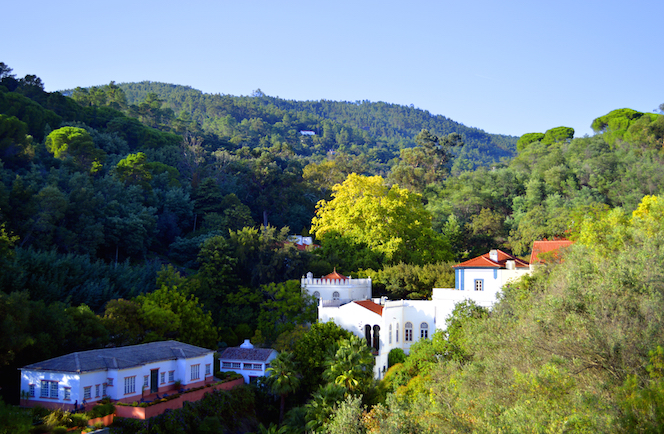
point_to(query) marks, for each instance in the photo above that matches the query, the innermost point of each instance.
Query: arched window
(396, 335)
(390, 333)
(335, 295)
(408, 332)
(424, 331)
(367, 334)
(376, 337)
(316, 294)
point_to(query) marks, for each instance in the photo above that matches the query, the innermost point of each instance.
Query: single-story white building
(251, 362)
(124, 374)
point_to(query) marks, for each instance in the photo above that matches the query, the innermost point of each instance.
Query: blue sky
(509, 67)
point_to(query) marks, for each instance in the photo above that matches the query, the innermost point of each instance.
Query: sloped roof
(368, 304)
(485, 261)
(335, 276)
(540, 247)
(120, 357)
(249, 354)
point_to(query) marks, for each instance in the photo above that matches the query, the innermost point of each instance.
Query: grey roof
(253, 354)
(120, 357)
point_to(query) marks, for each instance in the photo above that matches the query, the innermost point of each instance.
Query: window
(103, 389)
(146, 380)
(258, 366)
(207, 369)
(424, 331)
(87, 392)
(97, 390)
(129, 385)
(479, 283)
(171, 376)
(335, 295)
(390, 330)
(408, 332)
(236, 365)
(195, 372)
(31, 391)
(248, 366)
(163, 377)
(316, 294)
(226, 365)
(109, 381)
(396, 335)
(49, 389)
(67, 393)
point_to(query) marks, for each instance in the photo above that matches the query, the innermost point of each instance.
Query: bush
(78, 420)
(59, 430)
(101, 410)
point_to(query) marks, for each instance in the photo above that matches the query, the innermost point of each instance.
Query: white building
(246, 360)
(124, 374)
(336, 286)
(398, 324)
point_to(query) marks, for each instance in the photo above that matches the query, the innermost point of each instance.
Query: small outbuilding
(246, 360)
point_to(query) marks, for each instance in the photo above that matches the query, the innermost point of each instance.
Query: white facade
(398, 324)
(121, 374)
(246, 360)
(335, 286)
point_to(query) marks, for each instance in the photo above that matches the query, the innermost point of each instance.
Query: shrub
(59, 430)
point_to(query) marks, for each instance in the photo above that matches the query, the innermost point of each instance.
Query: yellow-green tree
(389, 220)
(77, 144)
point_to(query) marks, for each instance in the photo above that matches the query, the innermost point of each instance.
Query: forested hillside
(140, 212)
(379, 130)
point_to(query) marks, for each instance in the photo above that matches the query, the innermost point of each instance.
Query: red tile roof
(335, 276)
(540, 247)
(374, 307)
(485, 261)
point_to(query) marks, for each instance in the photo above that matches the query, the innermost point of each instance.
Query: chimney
(246, 344)
(511, 264)
(493, 255)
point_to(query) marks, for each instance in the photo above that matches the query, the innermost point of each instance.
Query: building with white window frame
(252, 363)
(125, 374)
(388, 324)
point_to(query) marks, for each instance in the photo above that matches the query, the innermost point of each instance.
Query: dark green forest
(145, 211)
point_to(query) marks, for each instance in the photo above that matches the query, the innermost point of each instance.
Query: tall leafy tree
(390, 220)
(283, 378)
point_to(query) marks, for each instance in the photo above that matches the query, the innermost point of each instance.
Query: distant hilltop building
(336, 287)
(307, 133)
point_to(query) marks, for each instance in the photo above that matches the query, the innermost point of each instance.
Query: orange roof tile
(485, 261)
(374, 307)
(335, 276)
(544, 246)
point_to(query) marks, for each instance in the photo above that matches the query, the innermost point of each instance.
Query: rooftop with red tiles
(485, 261)
(545, 246)
(368, 304)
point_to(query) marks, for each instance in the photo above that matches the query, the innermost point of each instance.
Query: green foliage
(526, 139)
(390, 221)
(133, 170)
(558, 134)
(14, 420)
(78, 144)
(407, 281)
(284, 307)
(396, 355)
(313, 349)
(351, 366)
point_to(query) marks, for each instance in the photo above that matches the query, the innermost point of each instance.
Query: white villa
(388, 324)
(124, 374)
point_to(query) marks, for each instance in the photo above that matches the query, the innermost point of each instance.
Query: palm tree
(283, 378)
(352, 365)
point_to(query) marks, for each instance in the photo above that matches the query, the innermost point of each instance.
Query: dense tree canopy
(390, 220)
